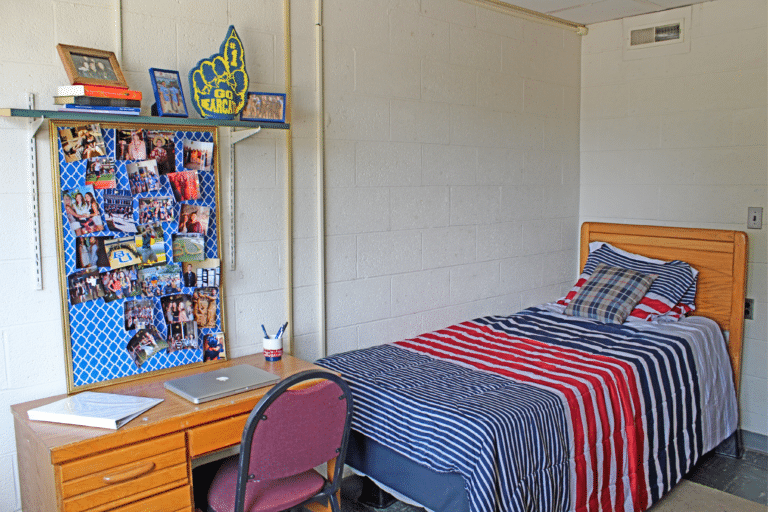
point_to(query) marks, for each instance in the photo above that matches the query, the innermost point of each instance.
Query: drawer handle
(129, 474)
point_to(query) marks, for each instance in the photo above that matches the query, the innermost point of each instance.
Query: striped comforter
(563, 414)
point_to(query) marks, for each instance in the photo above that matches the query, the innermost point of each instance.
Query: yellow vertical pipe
(288, 178)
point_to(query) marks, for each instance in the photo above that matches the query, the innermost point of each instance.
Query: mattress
(540, 411)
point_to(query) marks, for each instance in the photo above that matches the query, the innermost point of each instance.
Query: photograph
(138, 314)
(82, 210)
(82, 142)
(84, 286)
(177, 308)
(151, 244)
(182, 336)
(90, 66)
(120, 283)
(130, 144)
(188, 247)
(189, 276)
(169, 96)
(155, 209)
(204, 306)
(206, 271)
(194, 218)
(185, 185)
(145, 343)
(118, 210)
(162, 149)
(90, 252)
(264, 106)
(143, 176)
(122, 252)
(158, 281)
(198, 156)
(100, 172)
(213, 347)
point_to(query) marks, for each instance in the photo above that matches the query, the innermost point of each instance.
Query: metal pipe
(288, 177)
(322, 341)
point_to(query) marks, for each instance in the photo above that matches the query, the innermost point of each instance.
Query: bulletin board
(139, 248)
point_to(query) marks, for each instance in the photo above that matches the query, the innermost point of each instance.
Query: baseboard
(755, 442)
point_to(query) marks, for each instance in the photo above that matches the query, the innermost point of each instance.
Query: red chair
(287, 434)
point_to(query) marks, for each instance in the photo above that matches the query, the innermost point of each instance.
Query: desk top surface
(172, 415)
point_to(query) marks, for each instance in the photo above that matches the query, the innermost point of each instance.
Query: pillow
(686, 304)
(609, 294)
(674, 281)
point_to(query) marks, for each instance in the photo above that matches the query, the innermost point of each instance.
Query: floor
(746, 477)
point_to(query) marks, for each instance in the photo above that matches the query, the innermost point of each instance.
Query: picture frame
(264, 106)
(169, 94)
(90, 66)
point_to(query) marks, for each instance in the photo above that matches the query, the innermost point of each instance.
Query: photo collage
(140, 232)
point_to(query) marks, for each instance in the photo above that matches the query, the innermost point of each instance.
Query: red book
(98, 91)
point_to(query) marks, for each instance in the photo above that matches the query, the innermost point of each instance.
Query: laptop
(213, 384)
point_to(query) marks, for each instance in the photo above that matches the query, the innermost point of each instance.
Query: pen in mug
(281, 330)
(265, 331)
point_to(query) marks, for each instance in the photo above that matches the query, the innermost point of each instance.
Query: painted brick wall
(681, 140)
(452, 166)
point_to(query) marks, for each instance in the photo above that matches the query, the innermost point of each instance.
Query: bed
(546, 410)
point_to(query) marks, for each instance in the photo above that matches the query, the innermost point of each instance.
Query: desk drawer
(215, 436)
(171, 501)
(124, 475)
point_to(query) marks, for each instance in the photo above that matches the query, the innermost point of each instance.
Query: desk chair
(287, 434)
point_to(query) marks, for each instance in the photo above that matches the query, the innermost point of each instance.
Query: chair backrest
(293, 430)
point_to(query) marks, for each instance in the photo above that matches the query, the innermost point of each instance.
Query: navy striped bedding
(541, 412)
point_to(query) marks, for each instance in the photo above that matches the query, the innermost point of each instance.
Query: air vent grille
(651, 35)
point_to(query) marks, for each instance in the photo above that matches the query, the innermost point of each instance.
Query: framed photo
(169, 96)
(264, 106)
(89, 66)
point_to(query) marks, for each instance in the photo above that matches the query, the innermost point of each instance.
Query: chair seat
(269, 496)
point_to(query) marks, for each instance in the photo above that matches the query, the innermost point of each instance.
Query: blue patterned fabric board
(98, 339)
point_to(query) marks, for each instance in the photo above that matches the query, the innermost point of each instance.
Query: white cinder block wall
(452, 169)
(681, 140)
(452, 166)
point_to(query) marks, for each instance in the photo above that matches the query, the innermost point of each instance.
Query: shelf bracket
(235, 136)
(33, 125)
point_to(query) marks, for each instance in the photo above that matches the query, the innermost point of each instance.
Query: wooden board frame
(720, 256)
(53, 127)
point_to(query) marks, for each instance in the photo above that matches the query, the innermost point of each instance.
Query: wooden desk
(143, 466)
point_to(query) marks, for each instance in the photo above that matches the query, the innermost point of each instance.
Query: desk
(146, 465)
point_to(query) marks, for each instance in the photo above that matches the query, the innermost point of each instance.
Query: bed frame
(720, 256)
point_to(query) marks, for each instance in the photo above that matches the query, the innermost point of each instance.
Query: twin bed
(564, 406)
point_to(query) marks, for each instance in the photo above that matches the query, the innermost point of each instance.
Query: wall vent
(643, 37)
(657, 34)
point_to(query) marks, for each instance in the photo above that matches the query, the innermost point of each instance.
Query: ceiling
(595, 11)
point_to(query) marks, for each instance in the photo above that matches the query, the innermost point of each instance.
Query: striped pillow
(676, 281)
(609, 294)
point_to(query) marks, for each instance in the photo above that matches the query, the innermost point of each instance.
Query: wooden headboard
(720, 256)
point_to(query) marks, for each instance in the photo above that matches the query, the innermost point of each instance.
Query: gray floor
(746, 477)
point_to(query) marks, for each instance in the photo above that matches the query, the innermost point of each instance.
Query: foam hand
(219, 83)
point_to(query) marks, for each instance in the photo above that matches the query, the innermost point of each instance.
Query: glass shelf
(115, 118)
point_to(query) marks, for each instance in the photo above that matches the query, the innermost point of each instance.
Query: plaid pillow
(676, 281)
(609, 294)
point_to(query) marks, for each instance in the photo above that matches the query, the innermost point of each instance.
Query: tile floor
(746, 477)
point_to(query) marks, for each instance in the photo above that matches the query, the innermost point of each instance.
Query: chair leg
(334, 501)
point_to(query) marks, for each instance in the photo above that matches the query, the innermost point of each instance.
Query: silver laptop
(213, 384)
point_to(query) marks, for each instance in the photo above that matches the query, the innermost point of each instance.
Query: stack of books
(98, 99)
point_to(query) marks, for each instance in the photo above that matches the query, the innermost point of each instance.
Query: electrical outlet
(749, 309)
(754, 217)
